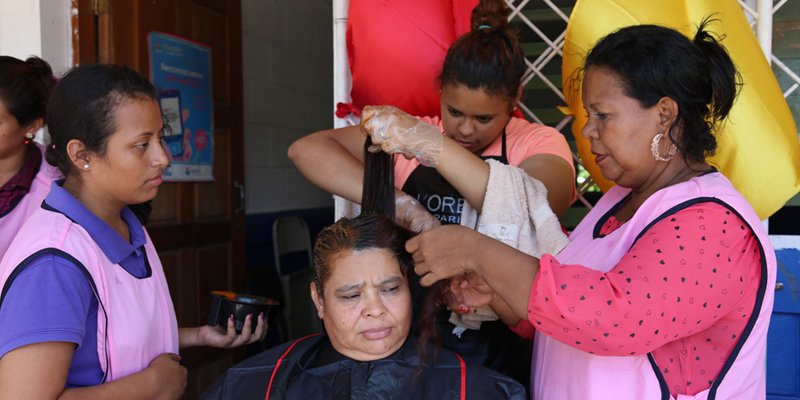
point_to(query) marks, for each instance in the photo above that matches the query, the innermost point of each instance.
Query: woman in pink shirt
(666, 288)
(445, 167)
(481, 83)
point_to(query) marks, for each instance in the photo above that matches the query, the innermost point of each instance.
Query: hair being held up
(378, 198)
(654, 62)
(377, 195)
(374, 228)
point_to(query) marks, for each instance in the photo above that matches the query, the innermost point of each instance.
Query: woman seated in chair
(361, 292)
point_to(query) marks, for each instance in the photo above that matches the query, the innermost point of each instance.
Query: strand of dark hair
(377, 195)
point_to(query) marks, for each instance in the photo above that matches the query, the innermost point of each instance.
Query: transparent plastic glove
(414, 216)
(397, 132)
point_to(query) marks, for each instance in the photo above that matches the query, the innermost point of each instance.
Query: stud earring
(654, 148)
(29, 135)
(86, 165)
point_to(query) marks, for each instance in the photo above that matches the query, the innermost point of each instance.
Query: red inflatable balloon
(396, 48)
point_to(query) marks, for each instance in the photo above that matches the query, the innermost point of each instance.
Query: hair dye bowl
(224, 304)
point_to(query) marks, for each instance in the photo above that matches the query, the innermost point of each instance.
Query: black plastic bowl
(224, 303)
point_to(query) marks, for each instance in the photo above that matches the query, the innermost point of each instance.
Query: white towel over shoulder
(515, 211)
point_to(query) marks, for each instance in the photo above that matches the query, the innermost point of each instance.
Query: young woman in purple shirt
(84, 306)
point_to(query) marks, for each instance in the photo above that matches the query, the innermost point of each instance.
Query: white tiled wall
(288, 92)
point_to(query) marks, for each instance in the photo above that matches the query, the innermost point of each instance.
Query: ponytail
(724, 79)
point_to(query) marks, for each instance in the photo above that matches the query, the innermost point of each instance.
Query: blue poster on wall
(181, 71)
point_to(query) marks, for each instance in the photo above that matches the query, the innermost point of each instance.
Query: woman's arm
(333, 160)
(39, 371)
(556, 175)
(451, 250)
(666, 287)
(506, 314)
(398, 132)
(35, 371)
(470, 175)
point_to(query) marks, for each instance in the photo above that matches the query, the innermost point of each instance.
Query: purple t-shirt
(52, 300)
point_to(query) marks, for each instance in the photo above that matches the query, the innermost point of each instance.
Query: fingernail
(230, 318)
(261, 316)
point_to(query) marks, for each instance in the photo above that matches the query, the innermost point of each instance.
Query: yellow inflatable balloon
(758, 147)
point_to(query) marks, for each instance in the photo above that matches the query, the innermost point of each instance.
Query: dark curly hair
(654, 61)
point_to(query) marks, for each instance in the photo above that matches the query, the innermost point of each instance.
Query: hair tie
(484, 27)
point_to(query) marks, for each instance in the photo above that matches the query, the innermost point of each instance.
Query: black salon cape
(313, 370)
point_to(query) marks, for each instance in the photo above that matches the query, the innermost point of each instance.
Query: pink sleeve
(666, 287)
(523, 329)
(525, 139)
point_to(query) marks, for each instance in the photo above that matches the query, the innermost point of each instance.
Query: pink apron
(40, 186)
(135, 319)
(562, 372)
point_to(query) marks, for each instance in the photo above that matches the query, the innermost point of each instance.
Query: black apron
(439, 196)
(494, 345)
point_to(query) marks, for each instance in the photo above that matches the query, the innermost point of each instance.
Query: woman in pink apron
(25, 177)
(666, 288)
(85, 309)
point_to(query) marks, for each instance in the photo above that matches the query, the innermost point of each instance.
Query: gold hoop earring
(654, 148)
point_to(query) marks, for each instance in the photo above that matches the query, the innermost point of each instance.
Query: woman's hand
(168, 376)
(412, 215)
(397, 132)
(215, 336)
(446, 251)
(468, 292)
